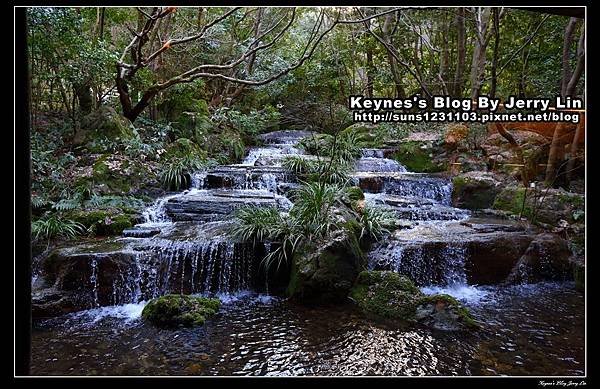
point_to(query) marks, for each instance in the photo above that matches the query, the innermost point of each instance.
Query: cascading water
(424, 202)
(183, 245)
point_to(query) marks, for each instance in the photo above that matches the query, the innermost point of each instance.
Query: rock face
(180, 310)
(79, 280)
(388, 295)
(325, 272)
(546, 258)
(474, 251)
(475, 190)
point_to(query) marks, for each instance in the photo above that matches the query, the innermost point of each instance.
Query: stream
(527, 329)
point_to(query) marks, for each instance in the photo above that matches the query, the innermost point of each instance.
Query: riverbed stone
(176, 310)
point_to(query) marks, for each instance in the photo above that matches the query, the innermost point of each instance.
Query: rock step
(478, 252)
(427, 186)
(209, 205)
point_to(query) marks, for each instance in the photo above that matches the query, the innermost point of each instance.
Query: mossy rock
(511, 200)
(324, 271)
(104, 222)
(183, 147)
(175, 310)
(417, 157)
(444, 312)
(474, 190)
(389, 295)
(107, 180)
(104, 123)
(386, 294)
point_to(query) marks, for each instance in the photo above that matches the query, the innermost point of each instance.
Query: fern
(67, 204)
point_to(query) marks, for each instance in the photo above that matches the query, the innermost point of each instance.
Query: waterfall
(436, 264)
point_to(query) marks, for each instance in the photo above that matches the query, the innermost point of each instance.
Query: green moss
(294, 280)
(458, 183)
(183, 147)
(574, 200)
(104, 222)
(386, 294)
(511, 200)
(416, 159)
(103, 175)
(180, 310)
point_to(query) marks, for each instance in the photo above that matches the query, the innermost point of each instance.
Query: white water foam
(126, 312)
(469, 294)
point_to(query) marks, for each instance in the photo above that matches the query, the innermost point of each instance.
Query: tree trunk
(386, 29)
(444, 57)
(99, 30)
(574, 149)
(566, 55)
(557, 148)
(461, 52)
(482, 18)
(84, 97)
(496, 24)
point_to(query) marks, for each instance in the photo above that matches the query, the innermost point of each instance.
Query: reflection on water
(528, 330)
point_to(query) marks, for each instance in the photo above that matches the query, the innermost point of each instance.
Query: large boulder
(546, 258)
(389, 295)
(104, 123)
(475, 190)
(324, 272)
(73, 279)
(176, 310)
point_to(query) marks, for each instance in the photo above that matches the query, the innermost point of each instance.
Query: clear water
(528, 330)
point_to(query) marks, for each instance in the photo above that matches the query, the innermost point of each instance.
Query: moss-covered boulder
(389, 295)
(104, 222)
(386, 294)
(104, 123)
(183, 147)
(418, 157)
(475, 190)
(175, 310)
